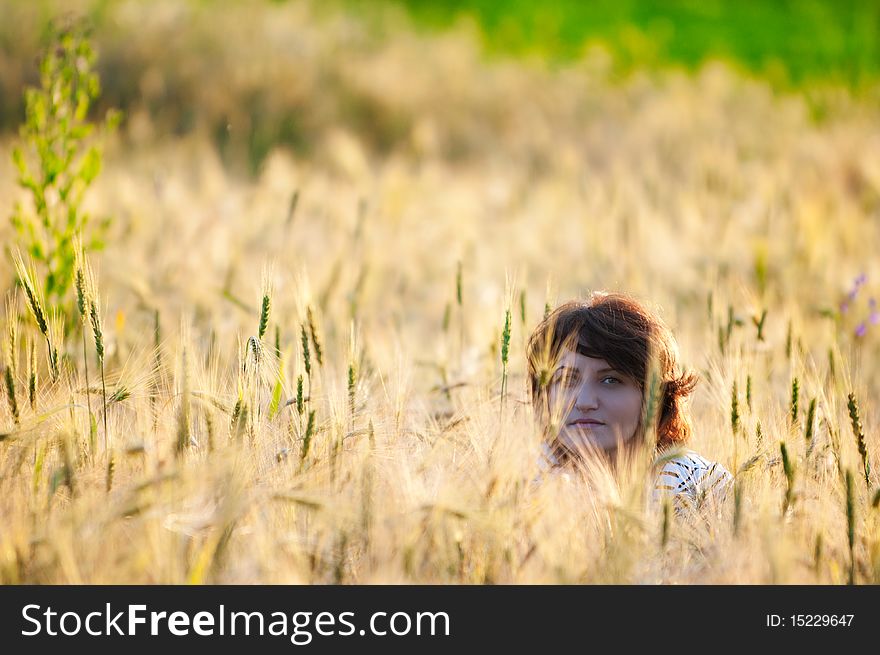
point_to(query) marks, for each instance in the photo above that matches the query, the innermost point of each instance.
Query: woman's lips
(586, 422)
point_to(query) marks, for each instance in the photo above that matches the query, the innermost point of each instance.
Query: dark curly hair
(617, 328)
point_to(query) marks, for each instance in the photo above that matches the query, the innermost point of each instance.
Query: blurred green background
(791, 42)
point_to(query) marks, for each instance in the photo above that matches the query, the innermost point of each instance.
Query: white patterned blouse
(689, 479)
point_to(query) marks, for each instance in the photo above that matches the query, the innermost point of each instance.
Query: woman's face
(595, 403)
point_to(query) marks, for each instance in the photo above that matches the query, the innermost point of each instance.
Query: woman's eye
(614, 379)
(566, 380)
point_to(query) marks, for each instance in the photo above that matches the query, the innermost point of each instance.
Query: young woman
(592, 365)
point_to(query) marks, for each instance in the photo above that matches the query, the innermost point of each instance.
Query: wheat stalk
(98, 334)
(83, 302)
(265, 305)
(316, 341)
(12, 332)
(300, 406)
(811, 416)
(56, 340)
(26, 276)
(307, 440)
(307, 364)
(184, 417)
(734, 410)
(853, 407)
(10, 393)
(788, 468)
(352, 374)
(32, 374)
(505, 351)
(851, 524)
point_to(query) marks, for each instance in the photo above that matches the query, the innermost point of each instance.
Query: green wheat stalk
(307, 440)
(505, 352)
(184, 417)
(458, 284)
(759, 324)
(788, 468)
(307, 360)
(851, 525)
(56, 339)
(111, 467)
(853, 406)
(10, 393)
(265, 306)
(734, 410)
(316, 342)
(300, 405)
(98, 333)
(811, 415)
(26, 276)
(352, 371)
(32, 374)
(352, 385)
(235, 421)
(12, 332)
(82, 304)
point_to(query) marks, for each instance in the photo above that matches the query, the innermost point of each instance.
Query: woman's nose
(587, 397)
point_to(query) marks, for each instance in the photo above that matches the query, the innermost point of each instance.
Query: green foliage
(791, 43)
(57, 162)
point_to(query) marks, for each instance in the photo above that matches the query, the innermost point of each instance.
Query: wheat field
(435, 190)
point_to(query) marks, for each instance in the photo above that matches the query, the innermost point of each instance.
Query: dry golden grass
(694, 193)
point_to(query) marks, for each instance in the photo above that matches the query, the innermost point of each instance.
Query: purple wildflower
(857, 283)
(875, 318)
(861, 330)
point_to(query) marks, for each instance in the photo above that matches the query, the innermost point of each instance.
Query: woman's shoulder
(688, 473)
